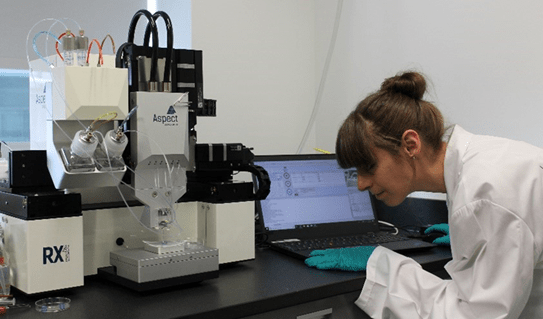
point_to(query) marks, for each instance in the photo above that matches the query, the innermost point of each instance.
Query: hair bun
(411, 84)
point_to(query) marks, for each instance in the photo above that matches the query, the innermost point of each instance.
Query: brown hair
(381, 119)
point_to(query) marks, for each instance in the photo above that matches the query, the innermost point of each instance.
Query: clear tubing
(54, 83)
(132, 212)
(55, 86)
(72, 20)
(169, 170)
(129, 115)
(323, 77)
(150, 184)
(89, 152)
(157, 232)
(168, 176)
(30, 32)
(65, 27)
(35, 47)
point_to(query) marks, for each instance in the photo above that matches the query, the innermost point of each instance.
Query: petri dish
(53, 304)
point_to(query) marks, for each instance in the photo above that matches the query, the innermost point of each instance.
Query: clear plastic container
(68, 47)
(78, 158)
(5, 280)
(81, 46)
(4, 169)
(112, 159)
(53, 304)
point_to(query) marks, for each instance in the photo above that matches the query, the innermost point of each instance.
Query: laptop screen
(308, 191)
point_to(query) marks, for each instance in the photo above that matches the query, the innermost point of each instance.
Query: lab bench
(272, 285)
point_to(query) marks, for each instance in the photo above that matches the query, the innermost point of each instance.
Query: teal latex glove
(440, 228)
(350, 259)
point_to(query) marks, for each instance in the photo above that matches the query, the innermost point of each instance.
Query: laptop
(315, 204)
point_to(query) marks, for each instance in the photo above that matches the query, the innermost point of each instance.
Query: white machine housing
(230, 228)
(45, 254)
(66, 99)
(142, 266)
(160, 149)
(226, 227)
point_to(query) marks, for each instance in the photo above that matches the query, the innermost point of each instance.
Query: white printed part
(84, 144)
(67, 99)
(47, 254)
(160, 147)
(115, 145)
(86, 93)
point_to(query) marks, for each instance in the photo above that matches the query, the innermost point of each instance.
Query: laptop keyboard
(339, 242)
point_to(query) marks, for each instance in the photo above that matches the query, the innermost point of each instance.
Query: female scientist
(494, 192)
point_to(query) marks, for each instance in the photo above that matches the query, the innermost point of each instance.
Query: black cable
(169, 45)
(122, 52)
(261, 240)
(154, 55)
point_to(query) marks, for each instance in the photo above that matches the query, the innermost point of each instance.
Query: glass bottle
(5, 282)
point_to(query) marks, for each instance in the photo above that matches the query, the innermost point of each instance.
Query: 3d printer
(127, 123)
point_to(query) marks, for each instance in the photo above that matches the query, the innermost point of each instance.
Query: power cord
(396, 230)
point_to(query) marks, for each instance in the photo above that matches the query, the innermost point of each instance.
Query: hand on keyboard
(351, 259)
(440, 228)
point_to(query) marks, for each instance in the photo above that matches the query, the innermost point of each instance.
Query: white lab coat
(495, 201)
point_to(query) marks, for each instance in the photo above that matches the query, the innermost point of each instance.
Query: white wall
(180, 14)
(259, 64)
(259, 58)
(484, 58)
(263, 60)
